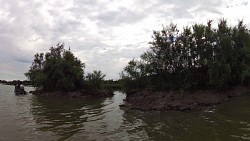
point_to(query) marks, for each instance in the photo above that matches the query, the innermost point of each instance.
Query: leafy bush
(57, 70)
(94, 80)
(199, 56)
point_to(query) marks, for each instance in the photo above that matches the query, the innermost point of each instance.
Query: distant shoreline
(181, 100)
(76, 94)
(14, 82)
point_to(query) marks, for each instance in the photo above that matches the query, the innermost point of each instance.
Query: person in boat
(19, 88)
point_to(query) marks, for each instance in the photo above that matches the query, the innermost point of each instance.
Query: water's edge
(31, 117)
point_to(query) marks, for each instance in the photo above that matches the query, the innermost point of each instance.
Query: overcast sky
(104, 34)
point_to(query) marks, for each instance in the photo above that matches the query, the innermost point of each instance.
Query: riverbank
(181, 100)
(76, 94)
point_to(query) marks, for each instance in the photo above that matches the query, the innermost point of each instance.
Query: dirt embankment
(181, 100)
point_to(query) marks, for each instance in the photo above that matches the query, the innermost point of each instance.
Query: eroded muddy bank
(181, 100)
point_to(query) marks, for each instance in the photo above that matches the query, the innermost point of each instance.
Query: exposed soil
(181, 100)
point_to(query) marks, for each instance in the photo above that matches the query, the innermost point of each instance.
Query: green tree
(94, 80)
(134, 75)
(198, 57)
(57, 70)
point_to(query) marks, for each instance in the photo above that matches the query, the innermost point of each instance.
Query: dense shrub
(197, 57)
(94, 80)
(57, 70)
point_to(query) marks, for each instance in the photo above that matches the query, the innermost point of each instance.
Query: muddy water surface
(31, 118)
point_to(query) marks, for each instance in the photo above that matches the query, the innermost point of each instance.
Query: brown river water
(34, 118)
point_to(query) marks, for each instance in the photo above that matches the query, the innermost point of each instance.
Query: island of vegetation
(59, 73)
(188, 69)
(192, 68)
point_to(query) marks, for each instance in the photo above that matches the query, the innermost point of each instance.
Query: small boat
(19, 90)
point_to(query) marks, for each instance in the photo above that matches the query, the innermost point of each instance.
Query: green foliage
(112, 85)
(94, 80)
(200, 56)
(134, 74)
(57, 70)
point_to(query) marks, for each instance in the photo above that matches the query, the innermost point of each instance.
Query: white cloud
(105, 34)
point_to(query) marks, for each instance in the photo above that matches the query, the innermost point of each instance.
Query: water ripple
(39, 118)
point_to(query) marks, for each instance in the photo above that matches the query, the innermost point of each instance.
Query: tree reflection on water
(64, 117)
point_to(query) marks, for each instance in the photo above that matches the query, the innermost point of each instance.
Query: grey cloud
(23, 60)
(86, 8)
(244, 3)
(179, 8)
(112, 61)
(121, 16)
(87, 27)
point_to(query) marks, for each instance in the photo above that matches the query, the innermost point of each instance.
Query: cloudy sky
(104, 34)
